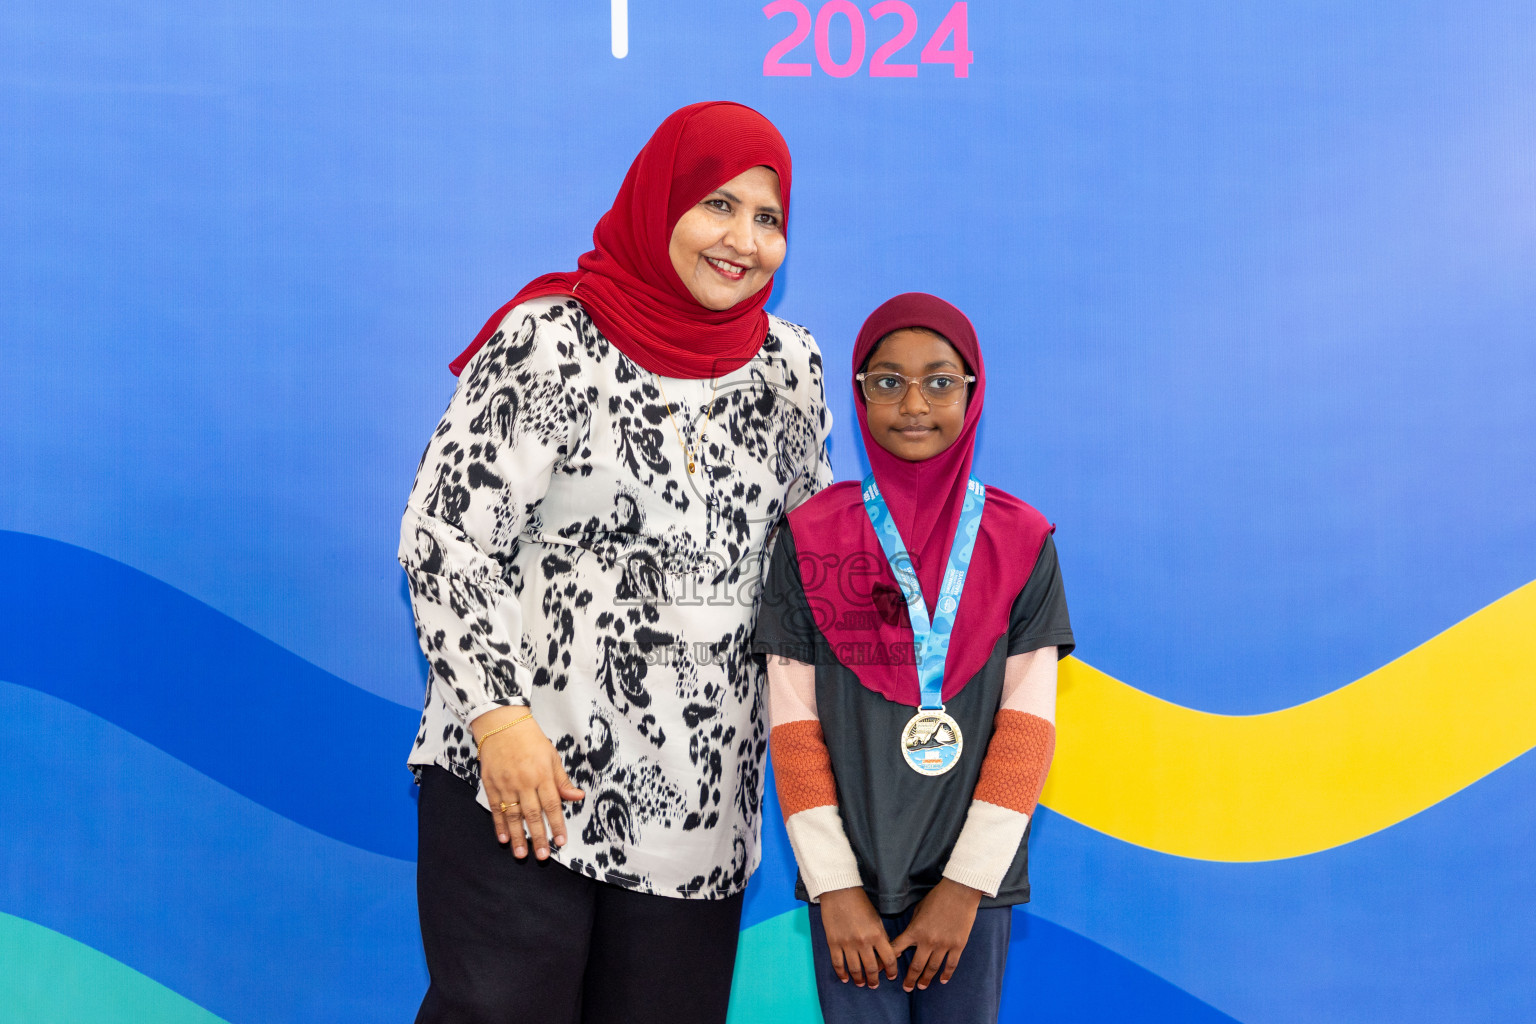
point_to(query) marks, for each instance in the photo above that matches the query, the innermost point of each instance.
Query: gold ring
(505, 805)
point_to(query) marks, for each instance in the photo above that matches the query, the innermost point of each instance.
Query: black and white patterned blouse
(560, 555)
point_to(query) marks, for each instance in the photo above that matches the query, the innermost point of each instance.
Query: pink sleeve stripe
(791, 691)
(1029, 683)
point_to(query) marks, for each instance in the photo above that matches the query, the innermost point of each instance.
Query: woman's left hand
(524, 780)
(939, 929)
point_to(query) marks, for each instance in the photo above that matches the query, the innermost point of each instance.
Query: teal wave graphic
(50, 978)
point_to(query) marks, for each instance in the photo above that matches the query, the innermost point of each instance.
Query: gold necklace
(693, 453)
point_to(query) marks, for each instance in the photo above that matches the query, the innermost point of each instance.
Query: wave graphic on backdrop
(1310, 777)
(178, 894)
(208, 690)
(150, 878)
(1053, 974)
(119, 846)
(224, 700)
(51, 977)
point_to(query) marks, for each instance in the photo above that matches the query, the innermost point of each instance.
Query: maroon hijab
(626, 282)
(844, 571)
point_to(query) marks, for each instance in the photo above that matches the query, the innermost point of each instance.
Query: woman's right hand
(524, 781)
(856, 937)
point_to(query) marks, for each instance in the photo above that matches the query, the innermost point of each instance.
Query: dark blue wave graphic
(1055, 974)
(1422, 921)
(121, 846)
(772, 889)
(207, 690)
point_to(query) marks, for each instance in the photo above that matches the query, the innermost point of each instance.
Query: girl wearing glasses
(913, 623)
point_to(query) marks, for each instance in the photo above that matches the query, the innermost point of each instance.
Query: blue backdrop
(1254, 280)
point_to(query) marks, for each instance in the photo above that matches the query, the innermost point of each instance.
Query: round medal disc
(931, 743)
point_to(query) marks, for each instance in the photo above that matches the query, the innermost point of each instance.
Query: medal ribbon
(932, 639)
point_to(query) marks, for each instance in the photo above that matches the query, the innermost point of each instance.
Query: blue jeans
(971, 997)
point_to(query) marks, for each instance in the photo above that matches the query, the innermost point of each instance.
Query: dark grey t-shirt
(902, 825)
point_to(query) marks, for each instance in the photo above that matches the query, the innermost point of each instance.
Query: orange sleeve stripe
(802, 768)
(1013, 772)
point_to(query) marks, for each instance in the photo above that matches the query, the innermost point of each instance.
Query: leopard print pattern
(560, 555)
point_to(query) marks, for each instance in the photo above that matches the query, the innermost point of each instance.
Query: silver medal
(931, 742)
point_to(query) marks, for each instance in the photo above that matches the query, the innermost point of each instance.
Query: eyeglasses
(885, 387)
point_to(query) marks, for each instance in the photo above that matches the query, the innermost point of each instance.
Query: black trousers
(519, 940)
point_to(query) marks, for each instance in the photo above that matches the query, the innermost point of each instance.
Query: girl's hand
(524, 781)
(939, 929)
(856, 937)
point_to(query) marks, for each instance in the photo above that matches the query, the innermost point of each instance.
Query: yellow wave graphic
(1308, 778)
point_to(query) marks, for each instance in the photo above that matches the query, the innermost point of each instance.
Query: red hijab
(627, 283)
(832, 532)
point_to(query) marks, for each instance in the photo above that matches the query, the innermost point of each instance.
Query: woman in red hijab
(581, 544)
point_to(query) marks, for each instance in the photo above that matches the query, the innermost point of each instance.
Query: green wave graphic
(48, 978)
(775, 981)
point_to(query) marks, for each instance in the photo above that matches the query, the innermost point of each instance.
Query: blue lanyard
(932, 639)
